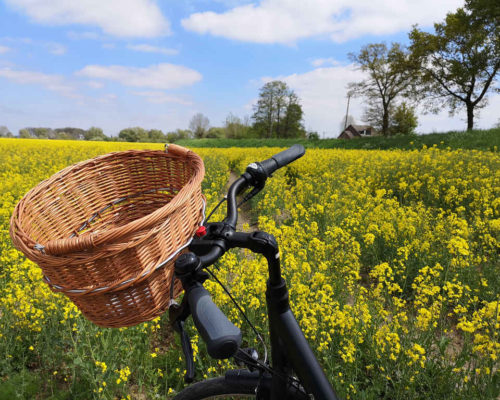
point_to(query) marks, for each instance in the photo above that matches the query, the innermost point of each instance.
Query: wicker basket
(106, 231)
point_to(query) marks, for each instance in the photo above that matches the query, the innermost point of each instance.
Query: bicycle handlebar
(256, 175)
(221, 336)
(281, 159)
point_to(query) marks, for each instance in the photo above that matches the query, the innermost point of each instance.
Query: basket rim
(79, 243)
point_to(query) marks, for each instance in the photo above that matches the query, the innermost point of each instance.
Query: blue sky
(121, 63)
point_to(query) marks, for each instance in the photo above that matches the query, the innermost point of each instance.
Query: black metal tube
(211, 257)
(232, 207)
(302, 358)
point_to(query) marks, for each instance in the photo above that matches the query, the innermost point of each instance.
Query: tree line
(452, 68)
(277, 114)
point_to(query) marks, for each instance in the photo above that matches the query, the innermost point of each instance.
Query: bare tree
(5, 132)
(199, 125)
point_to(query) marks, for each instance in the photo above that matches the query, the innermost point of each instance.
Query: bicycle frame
(289, 347)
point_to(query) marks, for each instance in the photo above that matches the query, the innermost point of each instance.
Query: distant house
(357, 131)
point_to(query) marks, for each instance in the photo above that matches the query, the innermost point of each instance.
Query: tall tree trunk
(271, 118)
(385, 121)
(278, 121)
(470, 116)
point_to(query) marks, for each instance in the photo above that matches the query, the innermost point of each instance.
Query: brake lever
(178, 314)
(187, 349)
(251, 194)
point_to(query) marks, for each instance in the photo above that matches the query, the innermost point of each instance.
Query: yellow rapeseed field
(392, 259)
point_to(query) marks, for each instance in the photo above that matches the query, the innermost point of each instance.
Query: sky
(121, 63)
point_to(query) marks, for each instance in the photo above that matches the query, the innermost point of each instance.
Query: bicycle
(290, 352)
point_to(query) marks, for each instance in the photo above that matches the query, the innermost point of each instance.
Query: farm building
(356, 131)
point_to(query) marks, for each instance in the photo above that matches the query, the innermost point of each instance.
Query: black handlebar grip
(221, 336)
(283, 158)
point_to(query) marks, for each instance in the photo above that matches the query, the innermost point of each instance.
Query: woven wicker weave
(106, 231)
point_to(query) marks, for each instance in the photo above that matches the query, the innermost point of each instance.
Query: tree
(235, 128)
(69, 133)
(178, 134)
(374, 116)
(4, 132)
(404, 120)
(62, 135)
(312, 135)
(486, 12)
(199, 125)
(461, 59)
(136, 134)
(215, 133)
(24, 134)
(156, 136)
(293, 119)
(94, 133)
(390, 74)
(278, 112)
(42, 133)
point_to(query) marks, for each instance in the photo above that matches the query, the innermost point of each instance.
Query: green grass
(478, 139)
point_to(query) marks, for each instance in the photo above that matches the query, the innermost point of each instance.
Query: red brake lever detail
(201, 231)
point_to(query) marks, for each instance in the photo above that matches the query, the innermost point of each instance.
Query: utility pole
(349, 94)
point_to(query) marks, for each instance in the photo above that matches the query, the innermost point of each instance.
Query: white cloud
(286, 21)
(52, 47)
(56, 49)
(323, 96)
(484, 118)
(160, 76)
(159, 97)
(4, 49)
(107, 99)
(55, 83)
(320, 62)
(95, 84)
(83, 35)
(147, 48)
(122, 18)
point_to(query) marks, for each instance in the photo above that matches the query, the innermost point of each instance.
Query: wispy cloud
(52, 82)
(95, 84)
(130, 18)
(52, 47)
(147, 48)
(158, 97)
(83, 35)
(107, 98)
(56, 48)
(4, 49)
(10, 39)
(320, 62)
(160, 76)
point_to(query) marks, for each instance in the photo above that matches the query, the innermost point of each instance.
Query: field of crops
(392, 259)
